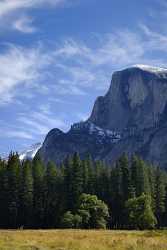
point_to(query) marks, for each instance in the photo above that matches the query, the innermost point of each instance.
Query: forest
(86, 194)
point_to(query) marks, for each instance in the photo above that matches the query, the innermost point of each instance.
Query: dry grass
(82, 240)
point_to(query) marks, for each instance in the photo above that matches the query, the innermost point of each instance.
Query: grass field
(82, 240)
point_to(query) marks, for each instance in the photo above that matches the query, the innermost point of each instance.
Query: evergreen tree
(91, 175)
(26, 195)
(139, 173)
(51, 196)
(4, 195)
(151, 176)
(13, 174)
(159, 196)
(33, 195)
(38, 197)
(77, 180)
(116, 202)
(165, 215)
(85, 169)
(67, 187)
(126, 177)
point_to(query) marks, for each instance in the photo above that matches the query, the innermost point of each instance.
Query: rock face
(131, 117)
(84, 137)
(136, 98)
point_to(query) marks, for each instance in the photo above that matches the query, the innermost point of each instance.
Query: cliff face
(136, 98)
(130, 118)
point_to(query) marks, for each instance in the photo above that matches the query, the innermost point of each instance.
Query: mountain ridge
(134, 108)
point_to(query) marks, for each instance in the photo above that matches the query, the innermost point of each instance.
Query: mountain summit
(136, 98)
(131, 117)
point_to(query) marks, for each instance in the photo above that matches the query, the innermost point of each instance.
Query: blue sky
(57, 56)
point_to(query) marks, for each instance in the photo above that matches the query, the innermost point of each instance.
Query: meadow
(82, 240)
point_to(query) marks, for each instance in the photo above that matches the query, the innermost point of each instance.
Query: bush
(68, 220)
(140, 214)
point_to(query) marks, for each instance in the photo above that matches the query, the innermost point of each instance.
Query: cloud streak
(7, 6)
(24, 24)
(73, 68)
(20, 67)
(14, 13)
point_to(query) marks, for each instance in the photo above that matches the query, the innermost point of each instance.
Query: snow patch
(92, 129)
(30, 152)
(152, 69)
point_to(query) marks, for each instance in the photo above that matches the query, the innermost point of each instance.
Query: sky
(57, 56)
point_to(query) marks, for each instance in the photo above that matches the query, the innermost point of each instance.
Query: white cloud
(114, 50)
(14, 13)
(73, 67)
(156, 41)
(20, 67)
(39, 123)
(111, 48)
(9, 6)
(32, 124)
(8, 133)
(24, 24)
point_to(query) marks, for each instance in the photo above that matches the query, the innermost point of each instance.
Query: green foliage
(159, 196)
(26, 195)
(51, 196)
(33, 195)
(140, 178)
(140, 213)
(91, 213)
(68, 220)
(93, 210)
(38, 186)
(13, 174)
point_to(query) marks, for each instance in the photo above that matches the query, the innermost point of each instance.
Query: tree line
(82, 194)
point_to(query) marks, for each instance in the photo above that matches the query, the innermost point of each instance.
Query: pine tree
(77, 180)
(4, 192)
(67, 187)
(51, 196)
(38, 187)
(159, 196)
(102, 177)
(139, 176)
(26, 195)
(165, 215)
(85, 169)
(13, 174)
(126, 177)
(91, 175)
(151, 176)
(116, 203)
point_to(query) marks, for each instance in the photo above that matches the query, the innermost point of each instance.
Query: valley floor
(82, 240)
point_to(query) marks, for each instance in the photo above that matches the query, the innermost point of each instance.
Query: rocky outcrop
(84, 137)
(136, 98)
(130, 118)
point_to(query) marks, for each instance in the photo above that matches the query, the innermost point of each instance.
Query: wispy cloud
(73, 67)
(14, 13)
(114, 50)
(31, 125)
(39, 123)
(12, 133)
(24, 24)
(156, 41)
(10, 6)
(19, 67)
